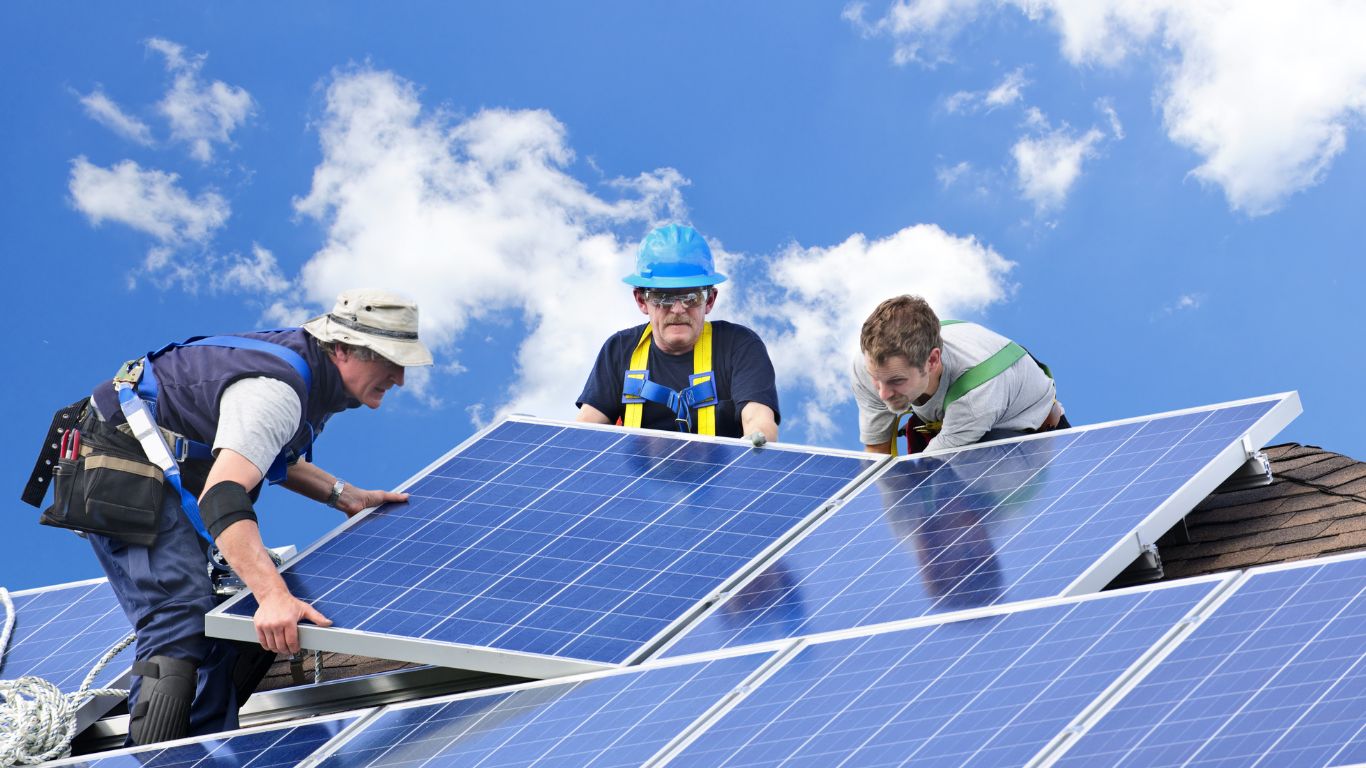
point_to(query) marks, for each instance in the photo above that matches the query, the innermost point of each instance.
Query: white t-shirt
(256, 417)
(1019, 398)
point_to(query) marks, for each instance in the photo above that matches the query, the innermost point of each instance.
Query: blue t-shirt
(744, 374)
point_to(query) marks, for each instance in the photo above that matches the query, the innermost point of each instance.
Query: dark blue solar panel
(991, 691)
(61, 632)
(614, 720)
(275, 748)
(563, 540)
(977, 527)
(1276, 676)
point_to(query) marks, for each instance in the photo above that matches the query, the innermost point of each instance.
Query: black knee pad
(162, 712)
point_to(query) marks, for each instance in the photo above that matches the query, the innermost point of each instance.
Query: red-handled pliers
(71, 444)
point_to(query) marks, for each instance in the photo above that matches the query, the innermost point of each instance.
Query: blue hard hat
(674, 256)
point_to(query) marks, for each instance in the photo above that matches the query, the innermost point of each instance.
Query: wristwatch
(335, 496)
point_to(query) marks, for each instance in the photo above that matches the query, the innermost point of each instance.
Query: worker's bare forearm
(309, 480)
(242, 547)
(757, 417)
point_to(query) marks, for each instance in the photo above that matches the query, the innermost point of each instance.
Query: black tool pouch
(112, 494)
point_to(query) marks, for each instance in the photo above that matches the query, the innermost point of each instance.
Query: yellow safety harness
(698, 397)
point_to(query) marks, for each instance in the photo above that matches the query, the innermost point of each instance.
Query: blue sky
(1161, 200)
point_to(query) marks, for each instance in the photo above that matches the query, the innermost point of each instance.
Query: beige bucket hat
(377, 320)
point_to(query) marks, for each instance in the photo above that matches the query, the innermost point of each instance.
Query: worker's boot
(162, 712)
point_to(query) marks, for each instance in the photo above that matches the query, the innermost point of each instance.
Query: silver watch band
(335, 496)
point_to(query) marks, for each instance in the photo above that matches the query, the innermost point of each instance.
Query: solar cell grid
(283, 747)
(1050, 515)
(988, 691)
(560, 540)
(609, 720)
(1276, 675)
(61, 632)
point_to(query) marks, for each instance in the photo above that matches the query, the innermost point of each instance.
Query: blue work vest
(191, 381)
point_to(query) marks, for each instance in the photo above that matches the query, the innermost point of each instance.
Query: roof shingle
(1315, 506)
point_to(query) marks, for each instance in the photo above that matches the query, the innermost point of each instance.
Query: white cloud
(1047, 166)
(1186, 302)
(920, 29)
(173, 52)
(964, 177)
(201, 114)
(811, 302)
(1264, 92)
(476, 219)
(256, 274)
(960, 102)
(1009, 91)
(104, 111)
(948, 176)
(152, 202)
(1112, 117)
(149, 201)
(283, 314)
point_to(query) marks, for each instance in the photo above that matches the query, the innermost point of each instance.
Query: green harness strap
(986, 370)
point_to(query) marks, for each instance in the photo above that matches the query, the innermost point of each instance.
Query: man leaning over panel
(958, 382)
(165, 463)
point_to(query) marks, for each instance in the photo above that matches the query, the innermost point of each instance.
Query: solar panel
(1276, 675)
(1054, 514)
(986, 691)
(272, 747)
(617, 719)
(60, 632)
(540, 549)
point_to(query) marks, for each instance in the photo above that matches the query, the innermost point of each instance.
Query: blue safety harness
(142, 396)
(638, 387)
(699, 396)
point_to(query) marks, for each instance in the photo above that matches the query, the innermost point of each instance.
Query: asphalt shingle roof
(1315, 506)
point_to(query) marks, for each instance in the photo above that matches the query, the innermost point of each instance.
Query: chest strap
(137, 388)
(698, 397)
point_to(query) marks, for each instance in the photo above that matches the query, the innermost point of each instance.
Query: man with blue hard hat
(679, 371)
(162, 471)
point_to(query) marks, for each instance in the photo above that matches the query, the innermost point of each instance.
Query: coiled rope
(37, 720)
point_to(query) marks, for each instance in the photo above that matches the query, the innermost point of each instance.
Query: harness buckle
(701, 391)
(632, 386)
(130, 373)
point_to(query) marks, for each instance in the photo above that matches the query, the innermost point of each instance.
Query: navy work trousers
(165, 591)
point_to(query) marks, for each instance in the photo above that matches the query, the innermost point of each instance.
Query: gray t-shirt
(256, 417)
(1019, 398)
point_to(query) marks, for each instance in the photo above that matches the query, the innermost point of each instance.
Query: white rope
(37, 720)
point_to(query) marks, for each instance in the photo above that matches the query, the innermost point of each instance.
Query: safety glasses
(664, 300)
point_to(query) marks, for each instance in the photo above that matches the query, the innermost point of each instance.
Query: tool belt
(102, 482)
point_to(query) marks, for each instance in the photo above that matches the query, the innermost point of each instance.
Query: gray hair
(363, 354)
